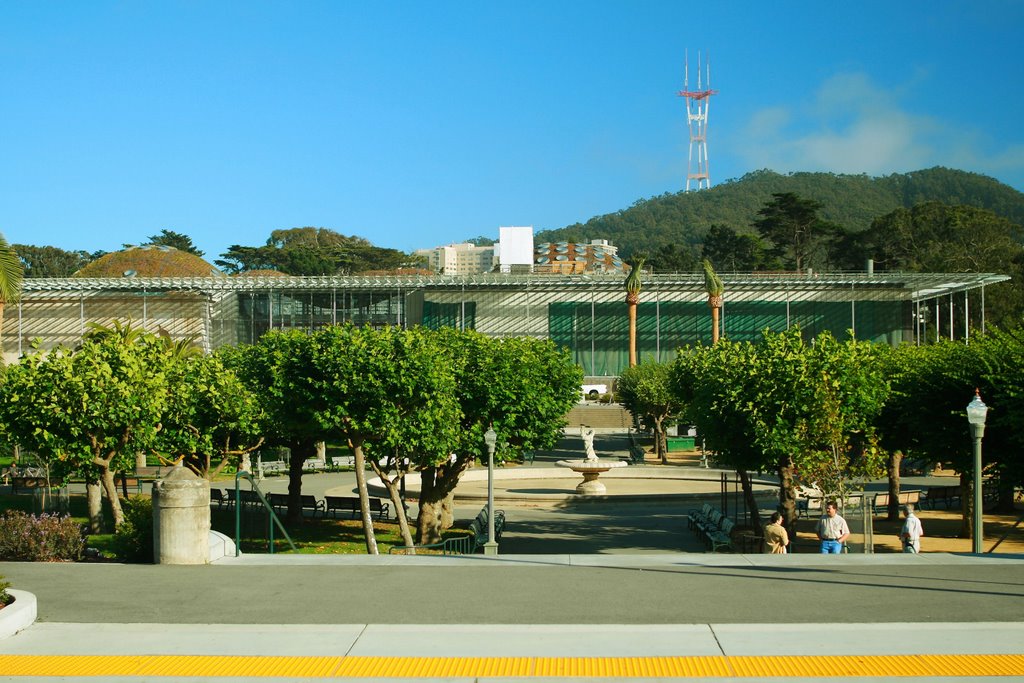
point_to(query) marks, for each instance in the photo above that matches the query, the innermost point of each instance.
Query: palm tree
(12, 273)
(714, 287)
(633, 286)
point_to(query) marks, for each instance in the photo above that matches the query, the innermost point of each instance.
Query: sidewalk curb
(18, 615)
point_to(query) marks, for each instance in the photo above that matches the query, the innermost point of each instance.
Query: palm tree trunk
(714, 325)
(632, 332)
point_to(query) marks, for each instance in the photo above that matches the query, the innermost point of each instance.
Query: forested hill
(851, 201)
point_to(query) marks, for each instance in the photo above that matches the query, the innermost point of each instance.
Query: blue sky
(414, 124)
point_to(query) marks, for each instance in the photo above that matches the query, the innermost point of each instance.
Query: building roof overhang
(908, 286)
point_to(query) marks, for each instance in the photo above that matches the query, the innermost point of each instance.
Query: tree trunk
(893, 513)
(436, 485)
(631, 306)
(94, 506)
(300, 450)
(660, 440)
(787, 498)
(428, 522)
(714, 325)
(448, 511)
(753, 509)
(395, 495)
(110, 488)
(364, 498)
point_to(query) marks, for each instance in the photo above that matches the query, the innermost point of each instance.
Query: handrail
(270, 510)
(459, 545)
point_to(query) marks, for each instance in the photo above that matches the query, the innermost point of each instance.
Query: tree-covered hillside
(850, 201)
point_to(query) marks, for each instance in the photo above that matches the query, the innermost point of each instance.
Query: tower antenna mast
(697, 119)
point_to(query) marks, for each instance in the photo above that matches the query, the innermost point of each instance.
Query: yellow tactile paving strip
(206, 666)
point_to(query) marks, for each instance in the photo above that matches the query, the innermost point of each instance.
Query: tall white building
(459, 259)
(515, 249)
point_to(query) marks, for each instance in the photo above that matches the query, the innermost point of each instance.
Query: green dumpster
(681, 443)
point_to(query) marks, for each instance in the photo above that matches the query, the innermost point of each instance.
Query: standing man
(912, 530)
(832, 531)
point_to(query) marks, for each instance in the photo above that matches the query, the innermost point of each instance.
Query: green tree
(646, 391)
(792, 226)
(280, 370)
(11, 276)
(212, 418)
(386, 391)
(673, 258)
(312, 251)
(50, 261)
(521, 386)
(930, 396)
(802, 410)
(937, 238)
(170, 238)
(88, 411)
(730, 251)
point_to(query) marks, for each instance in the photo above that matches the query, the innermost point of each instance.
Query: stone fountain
(590, 467)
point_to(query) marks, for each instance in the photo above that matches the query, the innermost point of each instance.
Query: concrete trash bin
(181, 518)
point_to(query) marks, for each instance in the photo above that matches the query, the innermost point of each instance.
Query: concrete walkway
(616, 600)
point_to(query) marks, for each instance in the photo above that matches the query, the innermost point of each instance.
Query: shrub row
(133, 541)
(46, 538)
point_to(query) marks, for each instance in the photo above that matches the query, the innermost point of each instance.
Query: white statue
(587, 434)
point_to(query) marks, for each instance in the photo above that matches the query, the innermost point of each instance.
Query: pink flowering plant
(42, 538)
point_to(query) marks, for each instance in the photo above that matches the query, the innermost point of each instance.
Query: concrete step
(599, 416)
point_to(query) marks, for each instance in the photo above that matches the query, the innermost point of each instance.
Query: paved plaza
(592, 591)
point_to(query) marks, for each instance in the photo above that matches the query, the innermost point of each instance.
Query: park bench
(219, 497)
(343, 461)
(880, 505)
(462, 545)
(805, 506)
(20, 481)
(712, 527)
(637, 455)
(478, 528)
(709, 525)
(336, 504)
(279, 501)
(947, 495)
(722, 536)
(694, 516)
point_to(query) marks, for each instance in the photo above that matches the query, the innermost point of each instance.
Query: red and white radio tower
(697, 118)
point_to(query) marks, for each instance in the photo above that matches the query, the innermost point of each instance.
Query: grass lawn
(312, 536)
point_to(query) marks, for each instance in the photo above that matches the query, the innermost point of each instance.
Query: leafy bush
(133, 541)
(5, 597)
(43, 538)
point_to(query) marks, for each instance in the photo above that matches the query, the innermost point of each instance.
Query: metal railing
(261, 499)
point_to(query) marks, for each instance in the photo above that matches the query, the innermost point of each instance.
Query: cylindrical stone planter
(181, 518)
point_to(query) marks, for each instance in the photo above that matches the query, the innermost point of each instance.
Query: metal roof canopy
(914, 286)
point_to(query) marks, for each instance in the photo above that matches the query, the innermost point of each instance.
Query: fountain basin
(591, 469)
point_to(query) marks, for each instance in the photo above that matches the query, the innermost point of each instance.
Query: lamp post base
(491, 548)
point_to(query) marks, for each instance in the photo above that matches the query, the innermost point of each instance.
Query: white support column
(951, 316)
(967, 318)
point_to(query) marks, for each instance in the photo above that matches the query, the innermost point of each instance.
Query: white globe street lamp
(490, 440)
(976, 413)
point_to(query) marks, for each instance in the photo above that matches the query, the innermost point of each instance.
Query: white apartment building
(459, 259)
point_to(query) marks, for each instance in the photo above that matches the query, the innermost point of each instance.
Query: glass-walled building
(585, 313)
